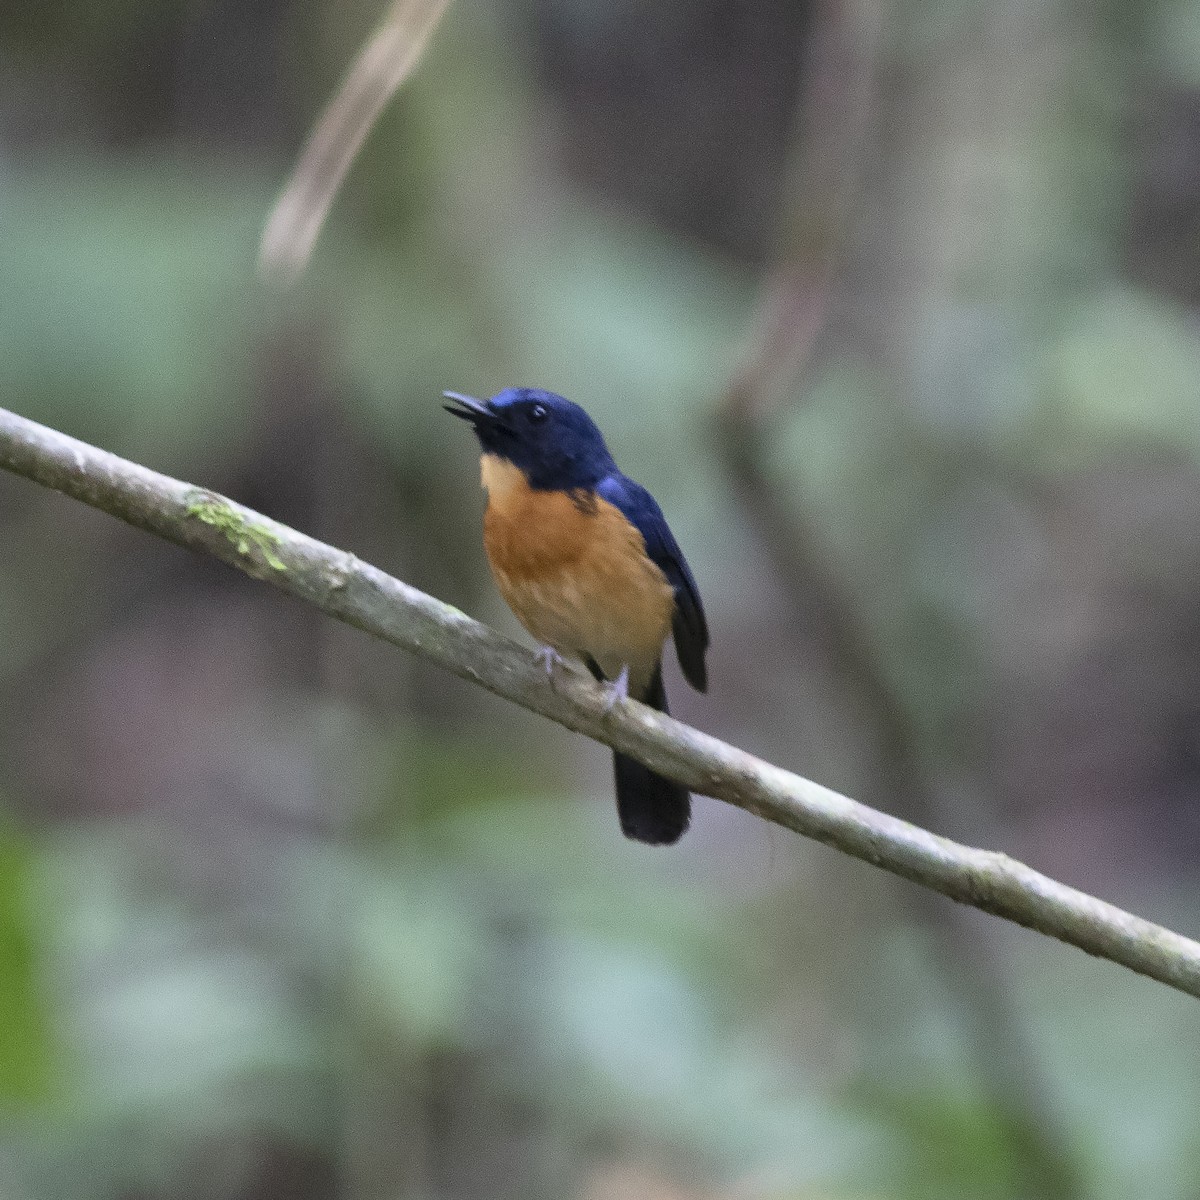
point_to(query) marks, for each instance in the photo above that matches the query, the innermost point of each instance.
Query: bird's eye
(538, 413)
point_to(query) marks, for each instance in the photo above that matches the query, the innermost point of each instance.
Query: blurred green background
(286, 914)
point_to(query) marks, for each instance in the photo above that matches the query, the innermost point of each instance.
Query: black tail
(652, 809)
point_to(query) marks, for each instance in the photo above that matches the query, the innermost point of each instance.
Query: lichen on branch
(238, 529)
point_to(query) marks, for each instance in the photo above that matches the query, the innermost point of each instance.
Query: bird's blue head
(555, 443)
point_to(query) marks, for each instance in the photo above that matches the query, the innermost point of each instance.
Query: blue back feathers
(688, 625)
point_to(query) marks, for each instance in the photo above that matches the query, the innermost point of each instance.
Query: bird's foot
(549, 658)
(617, 690)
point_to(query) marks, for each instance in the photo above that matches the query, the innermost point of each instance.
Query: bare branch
(361, 595)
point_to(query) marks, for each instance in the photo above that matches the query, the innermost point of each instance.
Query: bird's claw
(549, 658)
(617, 690)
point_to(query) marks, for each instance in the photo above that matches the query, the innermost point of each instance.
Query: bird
(587, 562)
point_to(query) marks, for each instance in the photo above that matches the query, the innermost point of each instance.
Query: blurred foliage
(138, 310)
(26, 1049)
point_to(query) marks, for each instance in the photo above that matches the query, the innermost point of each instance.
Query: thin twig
(350, 590)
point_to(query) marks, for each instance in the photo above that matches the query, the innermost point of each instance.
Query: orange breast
(576, 574)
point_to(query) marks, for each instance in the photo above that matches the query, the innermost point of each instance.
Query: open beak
(470, 409)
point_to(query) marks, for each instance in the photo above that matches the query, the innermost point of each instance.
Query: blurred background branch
(386, 61)
(827, 625)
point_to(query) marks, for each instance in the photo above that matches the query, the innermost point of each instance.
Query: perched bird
(585, 559)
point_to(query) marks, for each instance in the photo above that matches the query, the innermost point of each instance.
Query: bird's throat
(504, 482)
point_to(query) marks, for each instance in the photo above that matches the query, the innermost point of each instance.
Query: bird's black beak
(470, 409)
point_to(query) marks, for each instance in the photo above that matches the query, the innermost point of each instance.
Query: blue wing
(689, 626)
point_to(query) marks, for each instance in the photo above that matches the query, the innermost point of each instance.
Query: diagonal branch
(361, 595)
